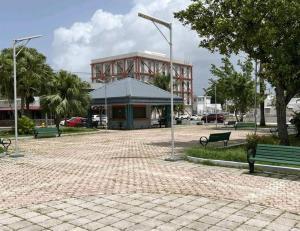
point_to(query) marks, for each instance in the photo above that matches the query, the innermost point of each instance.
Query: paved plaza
(118, 180)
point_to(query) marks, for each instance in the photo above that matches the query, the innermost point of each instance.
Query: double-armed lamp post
(25, 41)
(168, 25)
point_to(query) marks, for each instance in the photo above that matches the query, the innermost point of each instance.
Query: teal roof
(130, 87)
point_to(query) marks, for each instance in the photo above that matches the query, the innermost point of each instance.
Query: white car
(97, 118)
(184, 117)
(195, 117)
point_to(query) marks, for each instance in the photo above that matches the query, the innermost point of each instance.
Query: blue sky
(76, 31)
(20, 18)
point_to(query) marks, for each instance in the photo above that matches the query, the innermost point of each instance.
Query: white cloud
(107, 34)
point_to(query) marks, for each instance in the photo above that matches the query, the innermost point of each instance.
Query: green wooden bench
(216, 137)
(5, 143)
(244, 125)
(46, 132)
(273, 154)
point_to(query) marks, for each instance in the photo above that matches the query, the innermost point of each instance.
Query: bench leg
(251, 167)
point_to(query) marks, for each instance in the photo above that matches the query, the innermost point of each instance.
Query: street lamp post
(15, 42)
(106, 112)
(169, 26)
(216, 104)
(255, 98)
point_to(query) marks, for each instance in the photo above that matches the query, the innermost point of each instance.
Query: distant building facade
(202, 105)
(145, 66)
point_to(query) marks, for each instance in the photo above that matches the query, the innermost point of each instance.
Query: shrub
(253, 140)
(25, 125)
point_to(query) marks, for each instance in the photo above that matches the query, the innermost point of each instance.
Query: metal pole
(106, 113)
(15, 102)
(205, 109)
(216, 104)
(172, 101)
(27, 39)
(169, 26)
(255, 99)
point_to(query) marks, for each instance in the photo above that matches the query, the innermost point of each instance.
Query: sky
(76, 31)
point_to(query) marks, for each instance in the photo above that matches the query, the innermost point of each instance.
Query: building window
(139, 112)
(118, 112)
(107, 69)
(120, 67)
(130, 66)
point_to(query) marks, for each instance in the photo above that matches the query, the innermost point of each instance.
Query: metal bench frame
(5, 143)
(216, 137)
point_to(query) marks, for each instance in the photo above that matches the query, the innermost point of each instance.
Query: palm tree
(69, 96)
(32, 74)
(162, 81)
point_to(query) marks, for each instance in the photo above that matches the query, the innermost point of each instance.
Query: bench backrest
(278, 153)
(46, 130)
(219, 136)
(242, 124)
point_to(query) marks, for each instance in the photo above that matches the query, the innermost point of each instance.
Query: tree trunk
(57, 121)
(262, 102)
(241, 117)
(22, 105)
(281, 116)
(27, 109)
(262, 114)
(236, 116)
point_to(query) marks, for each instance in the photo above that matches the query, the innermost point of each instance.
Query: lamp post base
(174, 158)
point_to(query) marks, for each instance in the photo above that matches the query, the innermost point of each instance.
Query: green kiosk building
(131, 103)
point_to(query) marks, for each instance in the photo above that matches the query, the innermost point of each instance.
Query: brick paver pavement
(118, 165)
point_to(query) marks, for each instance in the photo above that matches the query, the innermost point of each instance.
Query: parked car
(76, 122)
(212, 117)
(195, 117)
(183, 117)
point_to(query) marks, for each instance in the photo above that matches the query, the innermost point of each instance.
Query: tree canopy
(266, 30)
(68, 96)
(33, 74)
(235, 87)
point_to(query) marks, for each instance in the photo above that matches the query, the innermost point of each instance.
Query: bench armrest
(203, 141)
(5, 143)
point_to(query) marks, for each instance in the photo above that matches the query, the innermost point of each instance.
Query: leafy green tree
(33, 75)
(235, 87)
(211, 91)
(260, 28)
(68, 97)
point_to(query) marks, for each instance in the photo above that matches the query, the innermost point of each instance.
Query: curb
(260, 167)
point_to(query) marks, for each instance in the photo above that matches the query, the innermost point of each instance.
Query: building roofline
(139, 54)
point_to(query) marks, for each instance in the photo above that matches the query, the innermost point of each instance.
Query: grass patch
(230, 154)
(1, 150)
(238, 153)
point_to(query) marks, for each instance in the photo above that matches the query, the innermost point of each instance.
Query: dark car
(212, 118)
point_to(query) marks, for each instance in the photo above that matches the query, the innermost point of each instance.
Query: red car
(212, 117)
(76, 122)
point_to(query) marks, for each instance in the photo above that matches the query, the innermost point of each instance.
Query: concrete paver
(118, 180)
